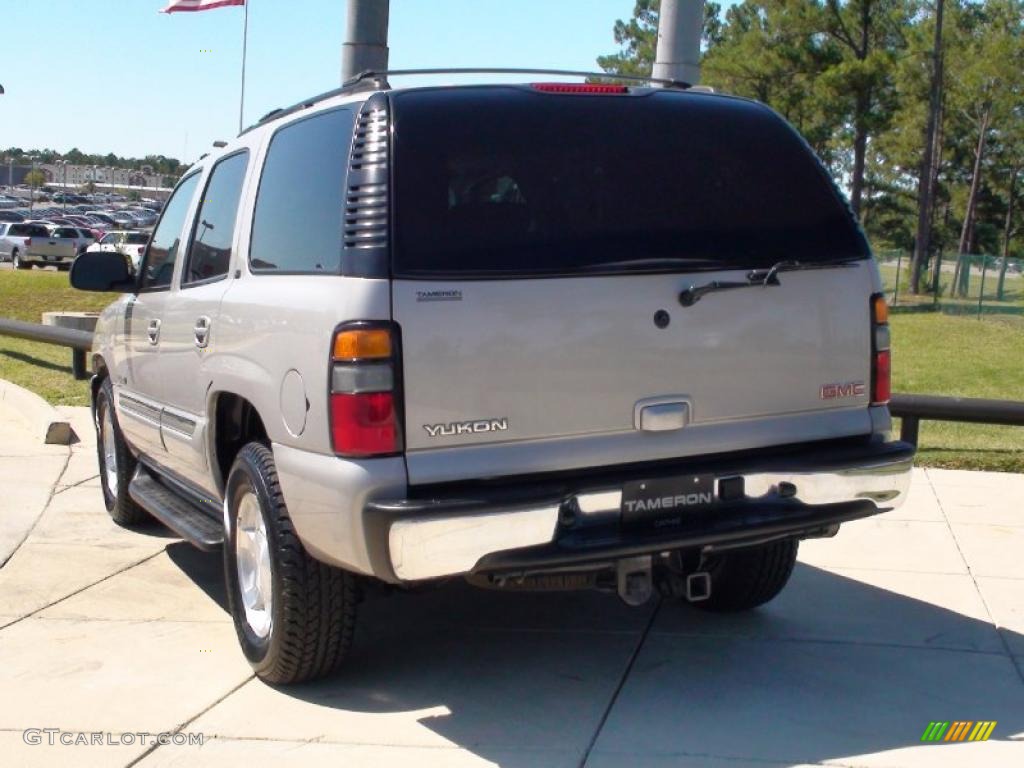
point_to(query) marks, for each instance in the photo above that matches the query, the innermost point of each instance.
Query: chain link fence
(967, 284)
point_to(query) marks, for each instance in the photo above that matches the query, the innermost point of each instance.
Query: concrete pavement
(900, 620)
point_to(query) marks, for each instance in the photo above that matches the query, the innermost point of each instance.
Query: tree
(930, 159)
(869, 36)
(35, 178)
(987, 88)
(774, 51)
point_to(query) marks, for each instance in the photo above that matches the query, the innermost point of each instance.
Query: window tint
(66, 232)
(298, 220)
(164, 247)
(505, 180)
(137, 238)
(214, 230)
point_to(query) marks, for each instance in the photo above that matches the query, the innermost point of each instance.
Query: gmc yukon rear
(538, 336)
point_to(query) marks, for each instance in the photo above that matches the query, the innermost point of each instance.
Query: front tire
(294, 615)
(117, 465)
(746, 578)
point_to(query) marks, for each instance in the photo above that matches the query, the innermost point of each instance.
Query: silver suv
(536, 336)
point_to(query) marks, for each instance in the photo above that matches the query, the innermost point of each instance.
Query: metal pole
(680, 25)
(981, 291)
(896, 290)
(366, 38)
(245, 46)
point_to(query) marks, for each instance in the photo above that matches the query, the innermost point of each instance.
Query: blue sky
(116, 76)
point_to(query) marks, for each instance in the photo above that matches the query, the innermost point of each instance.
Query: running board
(183, 517)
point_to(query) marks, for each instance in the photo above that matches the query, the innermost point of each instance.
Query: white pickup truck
(29, 244)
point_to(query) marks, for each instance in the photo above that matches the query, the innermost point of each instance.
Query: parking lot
(899, 621)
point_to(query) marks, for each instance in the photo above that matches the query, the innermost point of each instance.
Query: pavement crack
(75, 485)
(622, 682)
(82, 589)
(974, 580)
(191, 720)
(46, 506)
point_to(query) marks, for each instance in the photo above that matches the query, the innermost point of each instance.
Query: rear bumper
(38, 258)
(575, 521)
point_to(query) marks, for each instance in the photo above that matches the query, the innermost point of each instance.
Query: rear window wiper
(764, 275)
(759, 277)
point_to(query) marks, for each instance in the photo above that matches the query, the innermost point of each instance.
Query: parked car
(11, 216)
(123, 219)
(131, 243)
(551, 360)
(82, 238)
(29, 244)
(107, 221)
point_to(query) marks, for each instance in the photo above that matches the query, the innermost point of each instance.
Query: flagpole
(245, 44)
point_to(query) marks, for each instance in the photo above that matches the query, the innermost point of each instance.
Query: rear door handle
(153, 331)
(202, 331)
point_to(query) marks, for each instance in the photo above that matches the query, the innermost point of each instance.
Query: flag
(198, 5)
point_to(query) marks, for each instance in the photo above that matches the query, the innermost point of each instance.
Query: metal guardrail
(912, 409)
(79, 341)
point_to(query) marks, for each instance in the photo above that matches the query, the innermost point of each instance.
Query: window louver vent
(366, 202)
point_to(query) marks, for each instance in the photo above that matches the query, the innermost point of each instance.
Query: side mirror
(101, 271)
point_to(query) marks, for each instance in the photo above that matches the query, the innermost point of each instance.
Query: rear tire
(294, 615)
(117, 465)
(18, 263)
(746, 578)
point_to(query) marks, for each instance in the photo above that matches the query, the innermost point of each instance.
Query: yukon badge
(842, 389)
(466, 427)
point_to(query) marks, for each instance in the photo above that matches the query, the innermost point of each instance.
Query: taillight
(605, 88)
(364, 390)
(881, 355)
(28, 241)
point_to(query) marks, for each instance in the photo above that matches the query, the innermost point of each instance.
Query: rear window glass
(509, 181)
(137, 238)
(297, 223)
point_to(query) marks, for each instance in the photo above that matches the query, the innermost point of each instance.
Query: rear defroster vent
(367, 199)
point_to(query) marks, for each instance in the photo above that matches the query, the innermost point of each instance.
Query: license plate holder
(666, 502)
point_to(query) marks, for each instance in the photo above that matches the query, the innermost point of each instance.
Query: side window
(210, 251)
(297, 225)
(165, 244)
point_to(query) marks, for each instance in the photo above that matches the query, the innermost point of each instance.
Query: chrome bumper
(438, 538)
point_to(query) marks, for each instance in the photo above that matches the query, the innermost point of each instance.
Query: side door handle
(202, 331)
(153, 331)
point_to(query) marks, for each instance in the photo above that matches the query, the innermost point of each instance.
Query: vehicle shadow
(834, 668)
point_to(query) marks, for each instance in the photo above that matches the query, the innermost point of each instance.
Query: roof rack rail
(378, 79)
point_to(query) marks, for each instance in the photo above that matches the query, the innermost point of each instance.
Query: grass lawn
(933, 353)
(43, 368)
(938, 354)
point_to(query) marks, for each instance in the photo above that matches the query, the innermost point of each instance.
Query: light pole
(64, 194)
(679, 30)
(31, 193)
(366, 37)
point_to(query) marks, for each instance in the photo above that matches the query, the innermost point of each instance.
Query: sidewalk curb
(42, 417)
